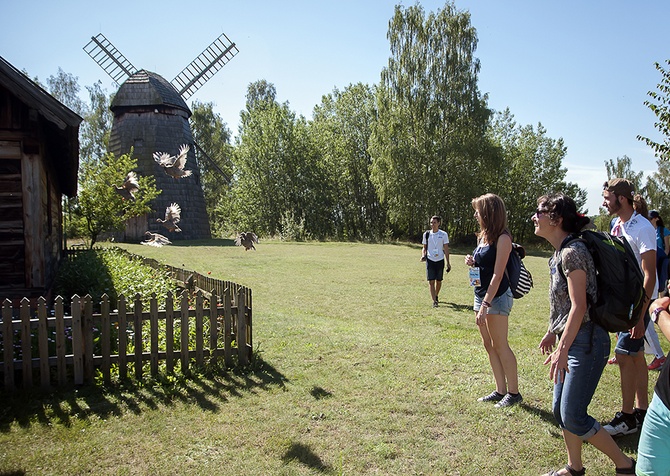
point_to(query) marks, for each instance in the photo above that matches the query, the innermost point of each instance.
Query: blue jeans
(653, 451)
(587, 357)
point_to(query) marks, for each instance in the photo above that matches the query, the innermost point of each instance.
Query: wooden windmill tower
(151, 115)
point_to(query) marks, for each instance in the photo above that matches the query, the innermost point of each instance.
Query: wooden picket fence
(67, 349)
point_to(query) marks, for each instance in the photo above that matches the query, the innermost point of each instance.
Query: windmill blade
(206, 65)
(109, 58)
(201, 153)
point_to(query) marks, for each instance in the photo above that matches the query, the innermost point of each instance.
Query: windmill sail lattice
(109, 58)
(206, 65)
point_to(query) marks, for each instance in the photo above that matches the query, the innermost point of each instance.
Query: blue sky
(581, 68)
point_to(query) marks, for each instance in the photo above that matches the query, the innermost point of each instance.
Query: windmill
(150, 115)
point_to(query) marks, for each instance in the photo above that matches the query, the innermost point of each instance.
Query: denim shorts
(629, 346)
(587, 357)
(653, 451)
(501, 305)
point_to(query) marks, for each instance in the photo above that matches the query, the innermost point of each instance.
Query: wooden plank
(123, 338)
(213, 322)
(88, 339)
(77, 341)
(153, 322)
(60, 342)
(8, 345)
(227, 328)
(169, 333)
(199, 302)
(138, 336)
(184, 333)
(26, 347)
(43, 337)
(105, 339)
(241, 336)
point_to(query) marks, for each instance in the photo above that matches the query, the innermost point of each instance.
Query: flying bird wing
(180, 161)
(173, 213)
(130, 183)
(164, 159)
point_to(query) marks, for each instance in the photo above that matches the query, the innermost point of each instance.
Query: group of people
(577, 349)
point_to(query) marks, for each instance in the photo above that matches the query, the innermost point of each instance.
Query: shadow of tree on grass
(304, 455)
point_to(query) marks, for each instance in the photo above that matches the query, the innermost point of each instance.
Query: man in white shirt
(618, 199)
(435, 250)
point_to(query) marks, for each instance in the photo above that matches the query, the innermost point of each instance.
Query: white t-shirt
(641, 235)
(437, 240)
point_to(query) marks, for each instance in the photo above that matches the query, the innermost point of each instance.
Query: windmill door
(12, 244)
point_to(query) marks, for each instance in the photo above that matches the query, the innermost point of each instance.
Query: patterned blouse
(573, 256)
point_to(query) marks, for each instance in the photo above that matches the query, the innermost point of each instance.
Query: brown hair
(640, 206)
(493, 215)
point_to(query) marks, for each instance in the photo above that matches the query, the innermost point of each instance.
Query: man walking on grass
(435, 251)
(618, 199)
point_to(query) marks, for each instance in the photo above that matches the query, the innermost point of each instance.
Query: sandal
(573, 472)
(630, 470)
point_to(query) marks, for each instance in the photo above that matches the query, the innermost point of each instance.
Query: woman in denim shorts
(493, 297)
(583, 347)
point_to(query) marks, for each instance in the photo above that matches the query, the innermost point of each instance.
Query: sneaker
(622, 424)
(437, 298)
(657, 363)
(639, 416)
(508, 400)
(491, 397)
(612, 361)
(435, 303)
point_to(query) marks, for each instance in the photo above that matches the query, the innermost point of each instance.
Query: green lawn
(356, 373)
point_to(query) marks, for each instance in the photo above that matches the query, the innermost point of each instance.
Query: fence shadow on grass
(209, 391)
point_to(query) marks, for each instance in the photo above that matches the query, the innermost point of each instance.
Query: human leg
(494, 361)
(654, 447)
(497, 326)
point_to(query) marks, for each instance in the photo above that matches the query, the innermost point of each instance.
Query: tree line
(375, 161)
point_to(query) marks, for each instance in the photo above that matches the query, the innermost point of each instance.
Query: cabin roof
(64, 122)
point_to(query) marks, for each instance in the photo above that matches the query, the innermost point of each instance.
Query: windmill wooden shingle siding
(39, 161)
(150, 115)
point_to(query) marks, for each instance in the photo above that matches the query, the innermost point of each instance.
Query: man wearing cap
(618, 199)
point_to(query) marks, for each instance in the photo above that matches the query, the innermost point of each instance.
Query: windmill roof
(145, 88)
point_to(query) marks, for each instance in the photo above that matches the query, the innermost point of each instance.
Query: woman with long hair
(493, 297)
(577, 363)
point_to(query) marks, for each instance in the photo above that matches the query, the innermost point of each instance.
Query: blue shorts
(629, 346)
(434, 270)
(501, 305)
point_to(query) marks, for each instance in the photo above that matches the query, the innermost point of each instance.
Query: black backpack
(621, 296)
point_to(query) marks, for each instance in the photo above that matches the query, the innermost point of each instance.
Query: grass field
(355, 373)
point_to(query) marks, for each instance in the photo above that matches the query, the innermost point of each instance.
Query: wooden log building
(39, 162)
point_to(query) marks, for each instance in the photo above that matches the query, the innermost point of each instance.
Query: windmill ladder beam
(203, 72)
(214, 164)
(119, 64)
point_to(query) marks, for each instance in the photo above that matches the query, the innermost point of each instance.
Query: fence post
(8, 345)
(199, 329)
(138, 336)
(105, 338)
(26, 347)
(184, 333)
(123, 338)
(77, 341)
(88, 338)
(227, 327)
(213, 324)
(169, 333)
(153, 323)
(43, 338)
(241, 336)
(61, 363)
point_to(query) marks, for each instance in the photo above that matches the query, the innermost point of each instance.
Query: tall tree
(97, 125)
(341, 127)
(65, 87)
(623, 167)
(280, 186)
(660, 106)
(427, 143)
(531, 166)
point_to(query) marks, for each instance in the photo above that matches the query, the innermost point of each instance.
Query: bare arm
(649, 271)
(446, 256)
